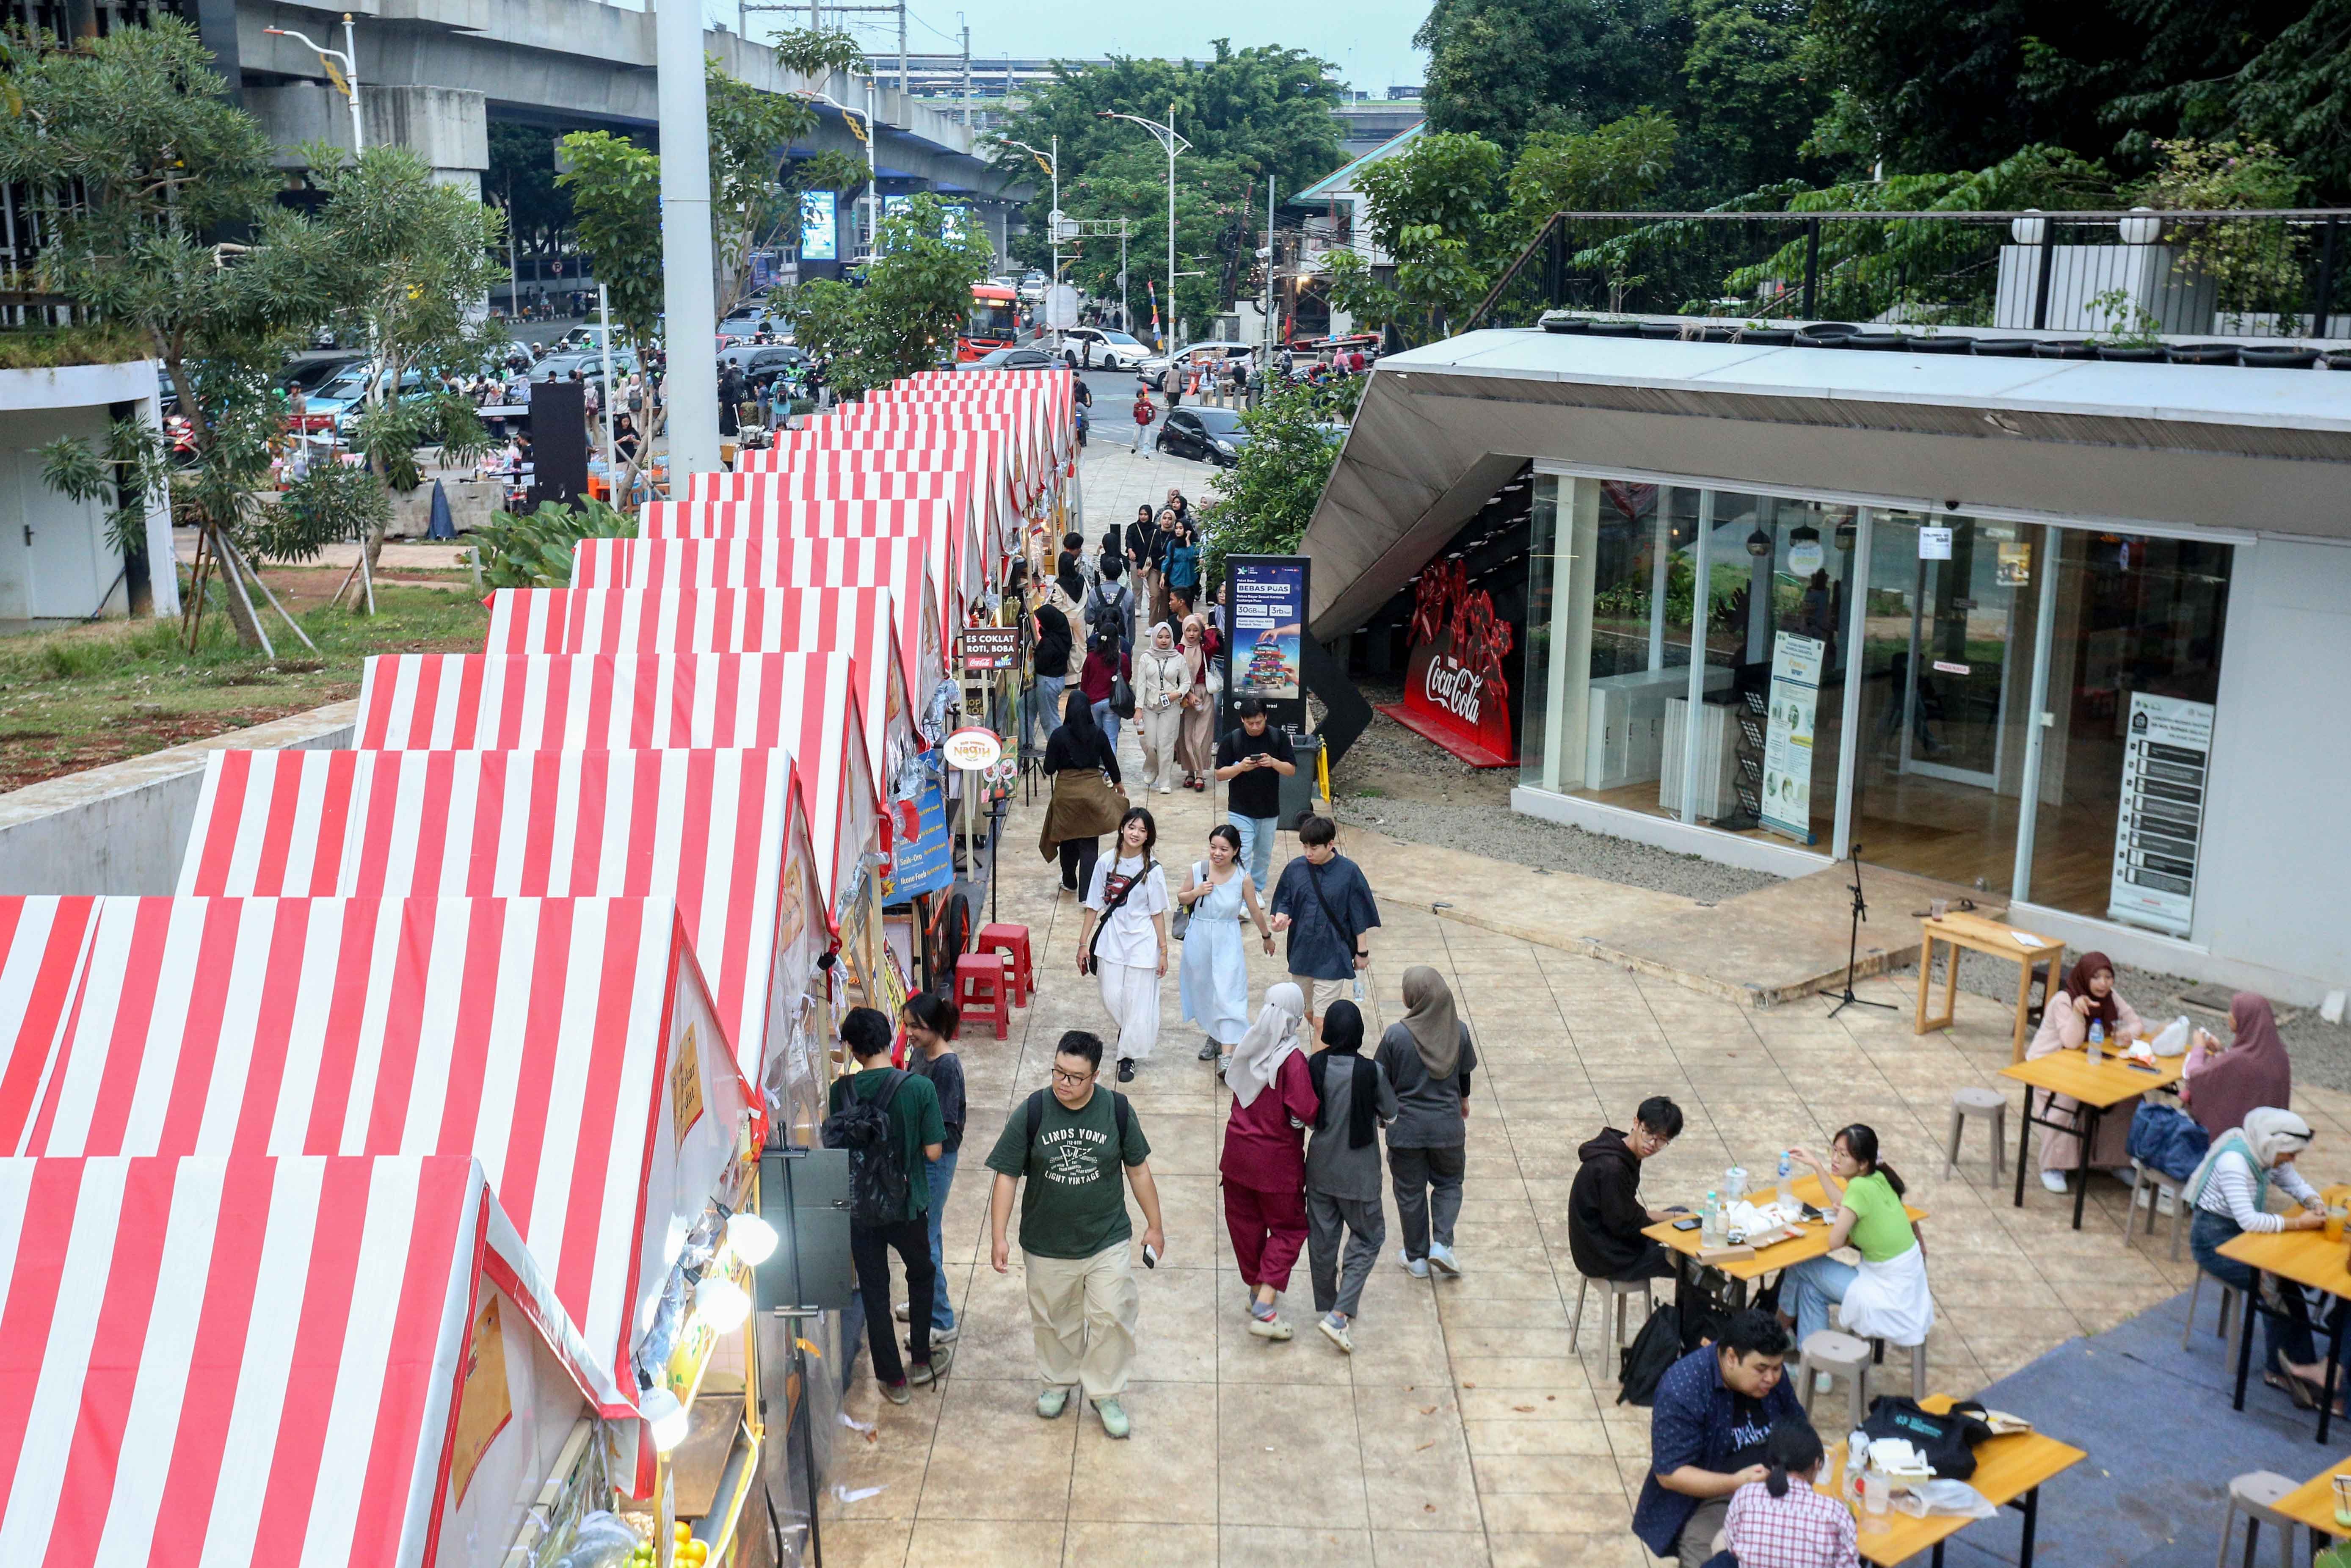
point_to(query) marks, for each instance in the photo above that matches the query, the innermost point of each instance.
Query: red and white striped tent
(772, 510)
(1051, 395)
(912, 567)
(1036, 470)
(859, 621)
(567, 1044)
(971, 469)
(725, 833)
(281, 1362)
(810, 705)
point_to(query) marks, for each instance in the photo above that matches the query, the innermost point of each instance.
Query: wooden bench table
(1957, 930)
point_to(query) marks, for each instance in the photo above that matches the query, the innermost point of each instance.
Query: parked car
(1192, 356)
(1084, 348)
(590, 365)
(1013, 359)
(1211, 434)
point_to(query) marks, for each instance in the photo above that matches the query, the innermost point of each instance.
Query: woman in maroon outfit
(1264, 1162)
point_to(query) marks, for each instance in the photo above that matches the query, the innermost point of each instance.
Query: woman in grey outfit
(1428, 1059)
(1343, 1170)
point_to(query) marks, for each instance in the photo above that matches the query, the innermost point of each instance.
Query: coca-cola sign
(1456, 692)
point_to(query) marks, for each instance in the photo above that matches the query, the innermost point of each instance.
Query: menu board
(2160, 823)
(1787, 735)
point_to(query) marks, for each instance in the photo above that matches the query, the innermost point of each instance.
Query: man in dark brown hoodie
(1604, 1212)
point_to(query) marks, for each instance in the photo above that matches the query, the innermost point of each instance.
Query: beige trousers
(1157, 728)
(1082, 1312)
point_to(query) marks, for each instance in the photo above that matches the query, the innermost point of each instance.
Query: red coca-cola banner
(1455, 692)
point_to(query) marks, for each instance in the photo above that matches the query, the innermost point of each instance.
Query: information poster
(1268, 596)
(819, 236)
(485, 1401)
(924, 862)
(1788, 737)
(2160, 823)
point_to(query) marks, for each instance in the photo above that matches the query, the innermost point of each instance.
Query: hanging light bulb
(665, 1415)
(1759, 543)
(721, 1303)
(1845, 530)
(752, 1237)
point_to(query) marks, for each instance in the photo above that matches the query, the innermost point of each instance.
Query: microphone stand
(1852, 945)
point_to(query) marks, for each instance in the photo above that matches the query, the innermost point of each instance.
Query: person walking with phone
(1062, 1152)
(1326, 905)
(1122, 940)
(1427, 1058)
(1253, 760)
(889, 1122)
(1264, 1159)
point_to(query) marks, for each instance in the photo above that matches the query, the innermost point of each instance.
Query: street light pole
(1052, 166)
(1174, 144)
(350, 71)
(872, 178)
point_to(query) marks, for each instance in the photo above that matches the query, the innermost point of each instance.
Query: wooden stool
(1967, 1102)
(1012, 941)
(2157, 1185)
(1835, 1354)
(2255, 1495)
(983, 990)
(1917, 1364)
(2230, 1300)
(1619, 1290)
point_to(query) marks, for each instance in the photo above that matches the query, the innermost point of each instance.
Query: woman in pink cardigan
(2088, 995)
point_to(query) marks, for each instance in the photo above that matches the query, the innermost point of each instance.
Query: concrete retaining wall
(122, 829)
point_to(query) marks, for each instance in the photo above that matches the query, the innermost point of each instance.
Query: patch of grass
(93, 695)
(50, 347)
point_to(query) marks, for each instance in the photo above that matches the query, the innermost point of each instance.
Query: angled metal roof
(1338, 180)
(2171, 446)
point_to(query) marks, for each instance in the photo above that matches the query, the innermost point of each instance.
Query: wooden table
(2313, 1502)
(2306, 1258)
(1811, 1240)
(1956, 930)
(2008, 1472)
(2096, 1089)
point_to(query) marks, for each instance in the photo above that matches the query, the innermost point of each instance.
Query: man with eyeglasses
(1075, 1234)
(1604, 1212)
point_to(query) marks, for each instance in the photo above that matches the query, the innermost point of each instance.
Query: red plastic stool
(982, 990)
(1012, 941)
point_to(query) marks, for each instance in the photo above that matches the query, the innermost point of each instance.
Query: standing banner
(1266, 596)
(2160, 820)
(1788, 739)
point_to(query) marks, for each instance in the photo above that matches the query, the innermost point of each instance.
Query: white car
(1032, 287)
(1088, 348)
(1192, 356)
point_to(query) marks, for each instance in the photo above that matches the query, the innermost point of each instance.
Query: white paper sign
(2160, 823)
(1934, 544)
(1788, 737)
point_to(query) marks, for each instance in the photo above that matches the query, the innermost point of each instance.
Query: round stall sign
(1804, 558)
(971, 749)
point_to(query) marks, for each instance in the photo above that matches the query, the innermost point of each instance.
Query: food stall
(859, 464)
(945, 523)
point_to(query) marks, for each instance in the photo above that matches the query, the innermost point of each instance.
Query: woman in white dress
(1123, 940)
(1213, 979)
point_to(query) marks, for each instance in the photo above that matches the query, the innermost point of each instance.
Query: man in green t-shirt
(916, 1135)
(1074, 1231)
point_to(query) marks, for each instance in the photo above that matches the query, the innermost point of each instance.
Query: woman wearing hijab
(1427, 1059)
(2223, 1084)
(1353, 1096)
(1086, 801)
(2229, 1194)
(1195, 731)
(1264, 1162)
(1162, 681)
(2088, 1001)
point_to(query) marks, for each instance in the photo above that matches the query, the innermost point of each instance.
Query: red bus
(994, 322)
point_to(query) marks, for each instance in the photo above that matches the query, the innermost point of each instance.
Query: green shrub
(533, 550)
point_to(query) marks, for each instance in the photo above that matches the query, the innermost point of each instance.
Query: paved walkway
(1462, 1431)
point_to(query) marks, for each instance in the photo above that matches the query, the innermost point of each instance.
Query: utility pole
(1122, 317)
(902, 52)
(1166, 136)
(692, 391)
(1267, 363)
(966, 71)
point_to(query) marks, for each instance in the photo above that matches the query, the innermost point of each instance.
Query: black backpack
(878, 1181)
(1654, 1349)
(1118, 1111)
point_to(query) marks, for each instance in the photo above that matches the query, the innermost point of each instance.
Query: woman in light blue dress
(1214, 980)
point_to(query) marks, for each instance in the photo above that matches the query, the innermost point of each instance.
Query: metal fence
(2117, 276)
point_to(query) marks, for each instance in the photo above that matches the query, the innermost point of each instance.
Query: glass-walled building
(2077, 636)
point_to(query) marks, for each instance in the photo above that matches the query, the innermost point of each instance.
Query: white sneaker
(2164, 1200)
(1276, 1327)
(1167, 788)
(2053, 1180)
(1416, 1266)
(1440, 1258)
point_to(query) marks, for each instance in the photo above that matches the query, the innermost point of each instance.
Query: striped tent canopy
(567, 1044)
(973, 468)
(810, 705)
(722, 832)
(767, 506)
(1035, 469)
(281, 1362)
(1050, 398)
(859, 621)
(912, 567)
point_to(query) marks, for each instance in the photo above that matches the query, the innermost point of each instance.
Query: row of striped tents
(838, 463)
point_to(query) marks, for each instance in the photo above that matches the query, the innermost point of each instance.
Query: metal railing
(2119, 275)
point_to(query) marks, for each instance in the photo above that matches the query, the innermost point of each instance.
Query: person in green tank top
(1886, 1295)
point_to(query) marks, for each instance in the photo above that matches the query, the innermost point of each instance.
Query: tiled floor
(1462, 1431)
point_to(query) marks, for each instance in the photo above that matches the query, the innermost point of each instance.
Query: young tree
(915, 293)
(1265, 500)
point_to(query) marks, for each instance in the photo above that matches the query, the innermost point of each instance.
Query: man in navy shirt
(1714, 1408)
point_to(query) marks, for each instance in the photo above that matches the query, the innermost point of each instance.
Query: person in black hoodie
(1604, 1212)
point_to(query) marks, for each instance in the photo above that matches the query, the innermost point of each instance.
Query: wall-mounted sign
(971, 749)
(2159, 821)
(988, 648)
(1457, 690)
(1934, 544)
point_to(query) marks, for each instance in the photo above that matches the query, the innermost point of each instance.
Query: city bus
(994, 322)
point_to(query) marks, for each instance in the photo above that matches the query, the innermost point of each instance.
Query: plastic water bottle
(2098, 1040)
(1786, 1192)
(1710, 1229)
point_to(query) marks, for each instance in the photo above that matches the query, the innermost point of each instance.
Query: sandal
(2304, 1396)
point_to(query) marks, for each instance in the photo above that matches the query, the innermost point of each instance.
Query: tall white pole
(1125, 321)
(611, 392)
(351, 58)
(872, 181)
(1171, 234)
(1267, 362)
(1056, 172)
(691, 324)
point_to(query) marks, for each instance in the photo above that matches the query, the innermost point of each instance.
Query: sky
(1369, 40)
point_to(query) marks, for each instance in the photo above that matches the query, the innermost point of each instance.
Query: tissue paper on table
(1898, 1456)
(1757, 1218)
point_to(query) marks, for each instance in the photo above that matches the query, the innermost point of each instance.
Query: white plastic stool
(2229, 1299)
(1619, 1290)
(2255, 1496)
(1967, 1102)
(1828, 1352)
(2159, 1185)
